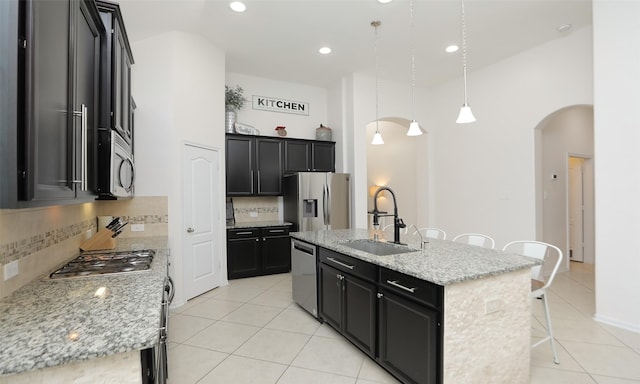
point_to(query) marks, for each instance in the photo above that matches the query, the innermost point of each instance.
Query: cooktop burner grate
(105, 263)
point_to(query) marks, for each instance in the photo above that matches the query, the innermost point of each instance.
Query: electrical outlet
(10, 269)
(88, 233)
(137, 227)
(253, 214)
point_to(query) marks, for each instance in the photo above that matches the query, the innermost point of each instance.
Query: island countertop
(48, 323)
(441, 262)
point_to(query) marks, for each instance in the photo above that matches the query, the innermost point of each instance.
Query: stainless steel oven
(116, 170)
(154, 361)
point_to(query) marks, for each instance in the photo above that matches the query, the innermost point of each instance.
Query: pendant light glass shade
(465, 116)
(377, 137)
(414, 129)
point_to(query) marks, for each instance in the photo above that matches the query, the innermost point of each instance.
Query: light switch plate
(137, 227)
(10, 269)
(253, 214)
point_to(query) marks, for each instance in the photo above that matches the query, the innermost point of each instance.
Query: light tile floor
(251, 332)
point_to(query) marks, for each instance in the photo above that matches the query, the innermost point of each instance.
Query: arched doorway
(564, 182)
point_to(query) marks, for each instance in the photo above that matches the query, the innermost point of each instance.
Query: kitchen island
(91, 327)
(476, 300)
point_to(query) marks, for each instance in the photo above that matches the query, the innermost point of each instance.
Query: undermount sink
(377, 247)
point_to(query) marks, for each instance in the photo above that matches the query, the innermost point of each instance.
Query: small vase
(323, 133)
(230, 122)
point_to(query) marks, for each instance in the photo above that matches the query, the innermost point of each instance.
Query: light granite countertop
(257, 224)
(441, 262)
(53, 322)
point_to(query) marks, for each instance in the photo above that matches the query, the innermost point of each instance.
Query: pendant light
(465, 116)
(377, 137)
(414, 127)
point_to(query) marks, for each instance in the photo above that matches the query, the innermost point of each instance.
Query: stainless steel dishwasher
(303, 275)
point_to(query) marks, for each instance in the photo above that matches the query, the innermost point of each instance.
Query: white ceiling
(279, 39)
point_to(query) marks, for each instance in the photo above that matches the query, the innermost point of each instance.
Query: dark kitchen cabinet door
(58, 84)
(87, 99)
(268, 167)
(330, 280)
(253, 166)
(48, 137)
(349, 305)
(323, 156)
(239, 165)
(297, 156)
(243, 258)
(359, 321)
(276, 250)
(116, 77)
(409, 337)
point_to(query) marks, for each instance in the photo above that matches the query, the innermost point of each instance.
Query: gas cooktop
(105, 263)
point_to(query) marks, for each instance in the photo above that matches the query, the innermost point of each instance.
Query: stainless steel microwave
(116, 174)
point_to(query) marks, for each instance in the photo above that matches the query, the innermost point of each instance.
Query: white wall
(178, 85)
(617, 138)
(483, 172)
(298, 126)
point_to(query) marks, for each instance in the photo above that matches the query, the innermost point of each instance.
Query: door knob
(190, 230)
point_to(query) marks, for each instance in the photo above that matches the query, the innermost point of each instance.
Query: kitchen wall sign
(273, 104)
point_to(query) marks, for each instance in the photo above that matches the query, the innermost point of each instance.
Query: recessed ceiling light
(452, 48)
(564, 27)
(384, 1)
(325, 50)
(238, 6)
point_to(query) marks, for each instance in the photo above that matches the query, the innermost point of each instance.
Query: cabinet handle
(341, 263)
(276, 230)
(190, 230)
(243, 233)
(252, 191)
(379, 295)
(257, 239)
(259, 188)
(395, 284)
(82, 113)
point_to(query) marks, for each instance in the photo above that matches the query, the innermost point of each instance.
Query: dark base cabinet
(409, 339)
(347, 302)
(258, 251)
(394, 318)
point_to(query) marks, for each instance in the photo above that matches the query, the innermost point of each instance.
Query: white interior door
(576, 210)
(202, 236)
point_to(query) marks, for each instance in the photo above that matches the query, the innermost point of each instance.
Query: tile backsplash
(254, 209)
(39, 239)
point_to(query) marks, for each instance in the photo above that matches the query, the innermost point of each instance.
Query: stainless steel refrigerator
(317, 200)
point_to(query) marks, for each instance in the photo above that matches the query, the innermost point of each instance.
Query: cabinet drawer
(274, 231)
(411, 287)
(348, 264)
(242, 233)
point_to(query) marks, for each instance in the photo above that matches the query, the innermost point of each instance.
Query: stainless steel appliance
(116, 174)
(303, 275)
(317, 200)
(105, 262)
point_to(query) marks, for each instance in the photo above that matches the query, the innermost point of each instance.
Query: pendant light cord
(413, 66)
(464, 51)
(375, 24)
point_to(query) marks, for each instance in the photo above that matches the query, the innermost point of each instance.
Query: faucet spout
(397, 222)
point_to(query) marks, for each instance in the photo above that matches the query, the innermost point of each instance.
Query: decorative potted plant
(234, 100)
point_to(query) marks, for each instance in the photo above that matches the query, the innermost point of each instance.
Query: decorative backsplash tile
(18, 249)
(250, 209)
(40, 238)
